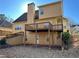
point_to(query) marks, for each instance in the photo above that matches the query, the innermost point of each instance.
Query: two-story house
(43, 26)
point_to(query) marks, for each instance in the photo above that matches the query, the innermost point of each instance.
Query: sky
(15, 8)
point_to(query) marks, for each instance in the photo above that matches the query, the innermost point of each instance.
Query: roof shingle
(23, 17)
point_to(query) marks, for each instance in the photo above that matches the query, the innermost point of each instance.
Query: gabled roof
(4, 22)
(75, 25)
(75, 29)
(23, 17)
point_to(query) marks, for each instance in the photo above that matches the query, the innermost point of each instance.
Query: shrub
(2, 42)
(66, 39)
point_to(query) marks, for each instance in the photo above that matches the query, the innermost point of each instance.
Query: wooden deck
(43, 26)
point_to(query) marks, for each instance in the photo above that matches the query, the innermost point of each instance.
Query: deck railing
(43, 26)
(57, 27)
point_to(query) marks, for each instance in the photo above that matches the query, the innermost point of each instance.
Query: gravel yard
(32, 52)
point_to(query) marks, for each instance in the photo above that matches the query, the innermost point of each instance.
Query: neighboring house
(5, 26)
(43, 26)
(75, 29)
(75, 35)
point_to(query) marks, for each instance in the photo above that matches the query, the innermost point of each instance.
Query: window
(41, 12)
(18, 28)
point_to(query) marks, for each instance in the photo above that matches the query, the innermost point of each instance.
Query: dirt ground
(42, 52)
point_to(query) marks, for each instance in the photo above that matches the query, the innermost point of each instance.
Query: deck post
(36, 27)
(24, 35)
(49, 36)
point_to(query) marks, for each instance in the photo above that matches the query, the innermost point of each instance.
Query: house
(75, 34)
(43, 26)
(5, 26)
(75, 29)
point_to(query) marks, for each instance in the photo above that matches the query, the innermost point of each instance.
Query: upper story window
(41, 11)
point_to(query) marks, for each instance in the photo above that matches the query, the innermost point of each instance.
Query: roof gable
(23, 17)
